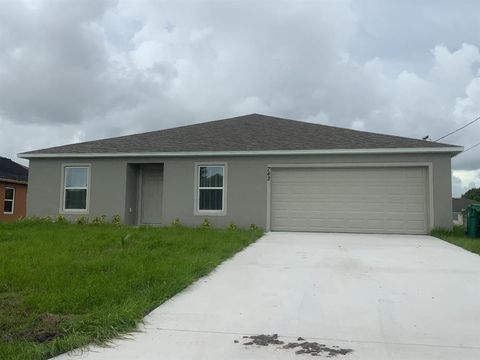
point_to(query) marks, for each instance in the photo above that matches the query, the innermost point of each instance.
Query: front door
(151, 191)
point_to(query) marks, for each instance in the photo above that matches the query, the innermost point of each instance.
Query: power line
(460, 128)
(471, 147)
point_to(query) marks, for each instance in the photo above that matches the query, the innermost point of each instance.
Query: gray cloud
(58, 69)
(107, 68)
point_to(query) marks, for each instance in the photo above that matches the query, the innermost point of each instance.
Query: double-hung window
(9, 201)
(75, 189)
(210, 189)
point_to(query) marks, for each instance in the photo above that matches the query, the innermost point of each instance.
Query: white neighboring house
(459, 206)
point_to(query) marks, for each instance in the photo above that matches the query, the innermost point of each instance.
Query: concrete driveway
(383, 296)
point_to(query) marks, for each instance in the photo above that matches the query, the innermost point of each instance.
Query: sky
(74, 71)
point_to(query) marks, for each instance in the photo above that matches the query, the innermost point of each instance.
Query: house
(276, 173)
(13, 190)
(459, 205)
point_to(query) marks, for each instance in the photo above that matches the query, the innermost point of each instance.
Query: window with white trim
(75, 188)
(211, 189)
(9, 201)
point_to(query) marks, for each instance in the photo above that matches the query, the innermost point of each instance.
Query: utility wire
(460, 128)
(471, 147)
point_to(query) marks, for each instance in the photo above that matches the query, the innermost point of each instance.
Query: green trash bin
(473, 221)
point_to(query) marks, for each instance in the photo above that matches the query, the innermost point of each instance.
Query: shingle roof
(253, 132)
(10, 170)
(459, 204)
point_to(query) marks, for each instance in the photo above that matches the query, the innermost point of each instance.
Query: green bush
(97, 220)
(253, 227)
(82, 220)
(116, 220)
(61, 219)
(206, 224)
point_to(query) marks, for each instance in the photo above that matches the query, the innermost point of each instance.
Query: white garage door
(369, 200)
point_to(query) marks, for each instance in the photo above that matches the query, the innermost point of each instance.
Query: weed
(206, 224)
(116, 220)
(82, 220)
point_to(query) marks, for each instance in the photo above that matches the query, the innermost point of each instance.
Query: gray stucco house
(276, 173)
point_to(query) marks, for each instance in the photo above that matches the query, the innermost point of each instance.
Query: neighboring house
(276, 173)
(13, 190)
(459, 205)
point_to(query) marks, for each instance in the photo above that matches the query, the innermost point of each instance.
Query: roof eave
(453, 150)
(13, 181)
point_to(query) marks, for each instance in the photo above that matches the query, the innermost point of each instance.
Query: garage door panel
(378, 200)
(356, 215)
(355, 224)
(395, 198)
(415, 206)
(415, 189)
(417, 223)
(414, 217)
(356, 206)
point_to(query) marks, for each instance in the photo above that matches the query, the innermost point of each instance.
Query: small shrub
(232, 226)
(99, 219)
(116, 219)
(46, 219)
(253, 227)
(206, 224)
(176, 222)
(31, 219)
(61, 219)
(82, 220)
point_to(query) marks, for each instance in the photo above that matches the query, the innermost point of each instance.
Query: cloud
(58, 69)
(107, 68)
(463, 180)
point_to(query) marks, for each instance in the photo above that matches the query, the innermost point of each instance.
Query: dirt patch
(263, 340)
(46, 327)
(300, 347)
(316, 349)
(18, 323)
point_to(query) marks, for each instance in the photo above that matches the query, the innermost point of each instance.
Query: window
(211, 189)
(75, 188)
(9, 201)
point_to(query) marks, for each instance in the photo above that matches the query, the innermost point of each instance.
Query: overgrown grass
(458, 237)
(63, 286)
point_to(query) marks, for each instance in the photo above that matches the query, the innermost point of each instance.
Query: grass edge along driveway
(457, 236)
(63, 286)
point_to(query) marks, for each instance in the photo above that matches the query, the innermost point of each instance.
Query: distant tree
(473, 194)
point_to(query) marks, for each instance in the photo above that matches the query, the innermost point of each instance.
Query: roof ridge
(244, 133)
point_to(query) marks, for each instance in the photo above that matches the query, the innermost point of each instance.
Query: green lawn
(458, 237)
(66, 285)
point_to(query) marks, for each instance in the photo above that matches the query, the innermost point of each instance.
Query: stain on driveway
(301, 347)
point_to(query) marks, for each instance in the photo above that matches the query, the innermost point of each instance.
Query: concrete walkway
(383, 296)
